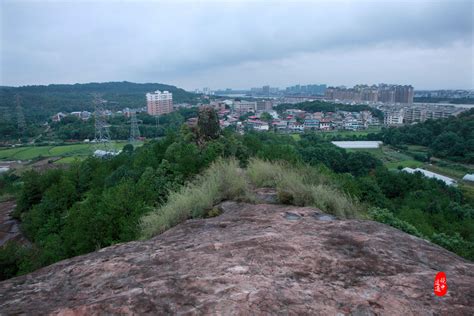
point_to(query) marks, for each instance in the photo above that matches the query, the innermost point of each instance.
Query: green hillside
(40, 102)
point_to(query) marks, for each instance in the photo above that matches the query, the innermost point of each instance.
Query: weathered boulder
(253, 259)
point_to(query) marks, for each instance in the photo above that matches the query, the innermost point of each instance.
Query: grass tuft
(302, 186)
(223, 180)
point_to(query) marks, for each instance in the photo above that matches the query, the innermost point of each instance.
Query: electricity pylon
(20, 117)
(134, 130)
(102, 134)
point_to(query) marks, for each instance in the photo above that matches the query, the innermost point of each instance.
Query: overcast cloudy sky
(192, 44)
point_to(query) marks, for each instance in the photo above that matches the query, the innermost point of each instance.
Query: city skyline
(244, 44)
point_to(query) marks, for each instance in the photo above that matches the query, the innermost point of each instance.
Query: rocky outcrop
(253, 259)
(9, 227)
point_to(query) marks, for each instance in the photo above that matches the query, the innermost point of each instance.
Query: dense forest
(451, 138)
(99, 202)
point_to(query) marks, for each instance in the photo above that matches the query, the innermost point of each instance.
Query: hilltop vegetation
(144, 191)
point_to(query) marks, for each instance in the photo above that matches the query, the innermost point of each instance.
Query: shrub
(455, 243)
(294, 191)
(385, 216)
(268, 174)
(17, 259)
(263, 173)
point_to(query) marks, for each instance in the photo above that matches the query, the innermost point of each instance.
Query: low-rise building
(311, 124)
(217, 105)
(244, 107)
(296, 127)
(296, 113)
(393, 117)
(257, 125)
(325, 124)
(58, 117)
(280, 125)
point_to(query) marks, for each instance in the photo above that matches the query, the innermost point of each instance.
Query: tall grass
(301, 186)
(221, 181)
(224, 180)
(263, 173)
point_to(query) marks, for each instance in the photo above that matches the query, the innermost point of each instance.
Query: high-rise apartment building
(311, 89)
(404, 94)
(383, 93)
(159, 103)
(386, 93)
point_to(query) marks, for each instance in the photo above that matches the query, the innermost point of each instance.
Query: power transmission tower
(134, 130)
(20, 117)
(102, 134)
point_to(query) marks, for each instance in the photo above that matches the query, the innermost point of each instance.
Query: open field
(23, 153)
(68, 160)
(393, 158)
(417, 149)
(72, 151)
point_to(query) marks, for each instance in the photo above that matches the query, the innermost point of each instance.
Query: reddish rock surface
(253, 259)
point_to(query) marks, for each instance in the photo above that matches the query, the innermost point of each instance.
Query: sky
(238, 44)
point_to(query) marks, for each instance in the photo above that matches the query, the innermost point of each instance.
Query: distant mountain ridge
(41, 101)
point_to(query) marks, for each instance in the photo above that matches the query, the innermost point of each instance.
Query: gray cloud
(221, 44)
